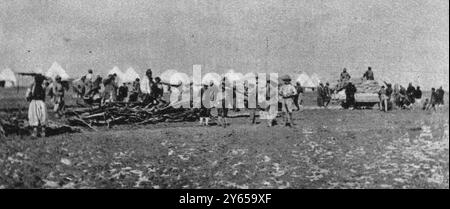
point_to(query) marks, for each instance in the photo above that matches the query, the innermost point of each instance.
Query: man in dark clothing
(440, 93)
(122, 93)
(433, 100)
(326, 94)
(350, 91)
(418, 96)
(298, 96)
(368, 75)
(410, 91)
(320, 95)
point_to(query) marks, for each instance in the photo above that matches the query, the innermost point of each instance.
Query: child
(37, 111)
(287, 93)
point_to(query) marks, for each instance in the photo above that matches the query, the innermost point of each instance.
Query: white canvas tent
(130, 75)
(214, 77)
(167, 75)
(55, 70)
(233, 76)
(118, 72)
(315, 79)
(7, 76)
(305, 81)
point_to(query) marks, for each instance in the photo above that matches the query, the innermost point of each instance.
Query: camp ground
(267, 94)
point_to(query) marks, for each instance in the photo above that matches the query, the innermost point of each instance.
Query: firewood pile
(127, 113)
(362, 86)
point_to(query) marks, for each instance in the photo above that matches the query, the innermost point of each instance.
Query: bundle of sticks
(127, 113)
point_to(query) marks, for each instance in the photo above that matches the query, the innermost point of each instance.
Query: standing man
(433, 100)
(440, 93)
(287, 93)
(146, 87)
(110, 93)
(299, 96)
(327, 94)
(368, 75)
(37, 110)
(58, 99)
(350, 91)
(320, 94)
(135, 90)
(345, 76)
(418, 95)
(410, 91)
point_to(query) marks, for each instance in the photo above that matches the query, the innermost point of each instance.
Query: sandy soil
(325, 149)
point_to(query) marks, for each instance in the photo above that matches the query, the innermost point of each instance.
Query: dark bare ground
(326, 149)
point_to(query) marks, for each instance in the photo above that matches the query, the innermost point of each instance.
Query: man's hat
(285, 78)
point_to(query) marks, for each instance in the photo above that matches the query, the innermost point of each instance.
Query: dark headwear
(90, 71)
(285, 78)
(148, 72)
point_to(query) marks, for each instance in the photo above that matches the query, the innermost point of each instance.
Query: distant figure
(320, 95)
(298, 99)
(327, 94)
(110, 92)
(350, 91)
(440, 99)
(146, 87)
(345, 76)
(157, 92)
(135, 91)
(205, 111)
(287, 92)
(223, 97)
(383, 100)
(418, 95)
(90, 75)
(122, 93)
(58, 99)
(410, 93)
(431, 104)
(79, 87)
(37, 110)
(368, 75)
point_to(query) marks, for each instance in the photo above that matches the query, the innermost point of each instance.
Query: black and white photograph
(224, 94)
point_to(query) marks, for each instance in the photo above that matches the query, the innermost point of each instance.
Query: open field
(327, 148)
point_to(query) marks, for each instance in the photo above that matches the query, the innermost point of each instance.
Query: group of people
(98, 90)
(409, 98)
(289, 99)
(150, 91)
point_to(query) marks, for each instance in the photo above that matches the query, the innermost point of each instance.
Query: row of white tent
(7, 76)
(168, 76)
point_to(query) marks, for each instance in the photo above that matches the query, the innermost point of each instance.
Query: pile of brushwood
(119, 113)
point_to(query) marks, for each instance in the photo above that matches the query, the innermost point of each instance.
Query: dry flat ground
(327, 148)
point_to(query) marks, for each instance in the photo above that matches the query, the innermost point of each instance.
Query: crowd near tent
(130, 75)
(7, 78)
(55, 70)
(305, 81)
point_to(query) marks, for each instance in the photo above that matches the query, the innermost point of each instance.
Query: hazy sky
(404, 40)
